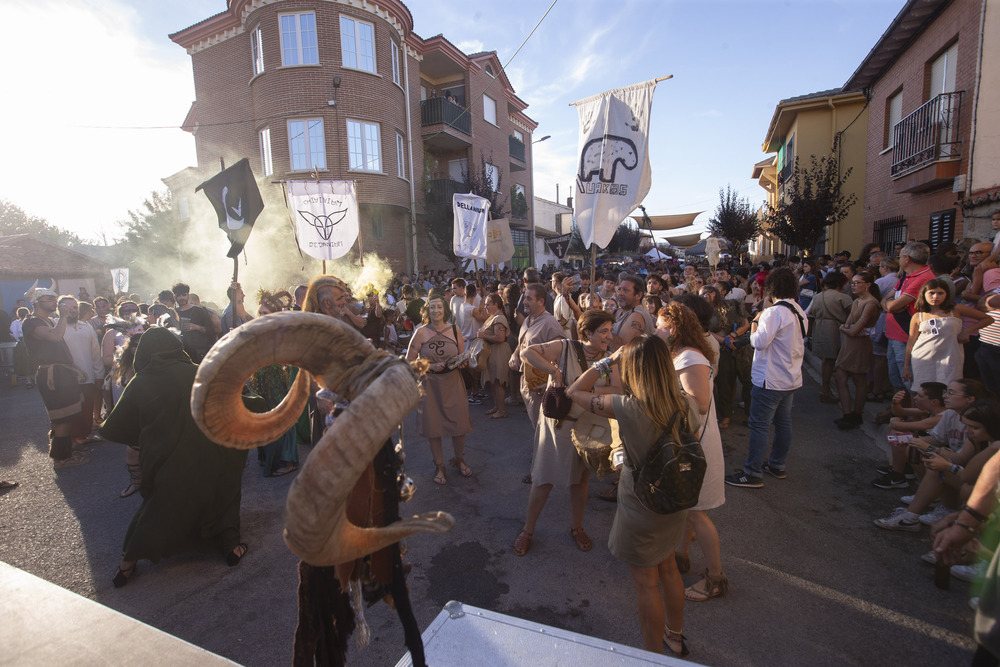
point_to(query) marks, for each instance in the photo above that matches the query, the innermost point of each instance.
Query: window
(519, 136)
(395, 64)
(266, 164)
(256, 52)
(400, 156)
(183, 209)
(489, 70)
(493, 174)
(942, 72)
(378, 226)
(357, 44)
(518, 202)
(894, 114)
(307, 144)
(298, 39)
(941, 228)
(457, 169)
(786, 160)
(364, 153)
(490, 109)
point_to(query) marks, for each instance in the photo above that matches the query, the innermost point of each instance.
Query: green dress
(190, 485)
(272, 384)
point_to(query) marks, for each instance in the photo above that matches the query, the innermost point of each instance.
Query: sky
(93, 110)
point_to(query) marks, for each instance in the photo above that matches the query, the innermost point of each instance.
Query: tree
(811, 200)
(735, 220)
(13, 220)
(441, 215)
(626, 239)
(153, 240)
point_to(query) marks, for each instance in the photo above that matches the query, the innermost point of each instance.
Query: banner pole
(593, 266)
(361, 245)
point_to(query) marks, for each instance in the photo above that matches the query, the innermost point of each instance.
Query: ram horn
(382, 390)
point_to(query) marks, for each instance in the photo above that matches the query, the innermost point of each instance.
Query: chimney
(569, 202)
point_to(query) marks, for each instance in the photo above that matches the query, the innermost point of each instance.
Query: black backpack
(670, 478)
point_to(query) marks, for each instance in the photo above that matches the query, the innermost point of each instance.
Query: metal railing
(928, 134)
(440, 190)
(516, 148)
(439, 110)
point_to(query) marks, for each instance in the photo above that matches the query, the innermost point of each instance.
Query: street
(812, 580)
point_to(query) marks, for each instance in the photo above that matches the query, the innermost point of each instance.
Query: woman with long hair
(644, 540)
(678, 326)
(556, 461)
(496, 373)
(855, 358)
(444, 408)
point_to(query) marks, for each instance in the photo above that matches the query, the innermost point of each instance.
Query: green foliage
(811, 200)
(13, 220)
(626, 239)
(151, 235)
(734, 220)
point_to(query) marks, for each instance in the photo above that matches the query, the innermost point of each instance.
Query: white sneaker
(969, 572)
(906, 500)
(900, 519)
(930, 557)
(934, 515)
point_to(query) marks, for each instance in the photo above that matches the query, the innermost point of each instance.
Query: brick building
(920, 79)
(347, 91)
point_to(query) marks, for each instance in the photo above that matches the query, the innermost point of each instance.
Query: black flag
(558, 245)
(234, 194)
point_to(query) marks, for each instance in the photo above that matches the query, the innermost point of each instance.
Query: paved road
(812, 580)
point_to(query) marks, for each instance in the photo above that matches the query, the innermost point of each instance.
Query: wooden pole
(361, 245)
(236, 269)
(593, 266)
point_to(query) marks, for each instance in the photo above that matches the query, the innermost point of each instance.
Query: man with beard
(85, 350)
(632, 319)
(197, 331)
(57, 377)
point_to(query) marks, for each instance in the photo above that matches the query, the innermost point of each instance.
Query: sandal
(122, 576)
(522, 543)
(284, 470)
(491, 411)
(499, 415)
(671, 637)
(135, 480)
(440, 477)
(526, 479)
(683, 562)
(707, 587)
(583, 542)
(462, 468)
(724, 424)
(234, 557)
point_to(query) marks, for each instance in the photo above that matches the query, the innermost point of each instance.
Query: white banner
(326, 216)
(119, 280)
(500, 243)
(613, 173)
(471, 212)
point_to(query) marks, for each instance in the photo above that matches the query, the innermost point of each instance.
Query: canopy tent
(656, 255)
(699, 248)
(667, 222)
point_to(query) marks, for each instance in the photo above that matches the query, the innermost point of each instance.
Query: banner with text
(558, 245)
(326, 216)
(613, 172)
(469, 237)
(500, 244)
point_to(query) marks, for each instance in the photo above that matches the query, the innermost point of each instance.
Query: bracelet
(604, 366)
(931, 449)
(955, 469)
(962, 525)
(974, 514)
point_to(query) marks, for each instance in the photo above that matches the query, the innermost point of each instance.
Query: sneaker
(898, 521)
(935, 515)
(77, 459)
(474, 401)
(887, 469)
(741, 478)
(891, 481)
(774, 472)
(969, 573)
(930, 557)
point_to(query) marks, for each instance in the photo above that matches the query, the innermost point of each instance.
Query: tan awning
(685, 241)
(664, 222)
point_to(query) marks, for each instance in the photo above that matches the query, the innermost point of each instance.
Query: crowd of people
(653, 349)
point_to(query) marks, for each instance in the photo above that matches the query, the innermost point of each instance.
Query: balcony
(440, 191)
(927, 137)
(446, 125)
(516, 153)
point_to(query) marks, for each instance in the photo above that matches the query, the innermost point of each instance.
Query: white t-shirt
(465, 322)
(950, 430)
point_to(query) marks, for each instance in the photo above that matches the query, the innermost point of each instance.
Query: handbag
(555, 403)
(670, 478)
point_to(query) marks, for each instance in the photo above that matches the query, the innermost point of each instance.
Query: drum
(593, 439)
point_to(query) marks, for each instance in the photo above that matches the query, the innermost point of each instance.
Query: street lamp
(547, 136)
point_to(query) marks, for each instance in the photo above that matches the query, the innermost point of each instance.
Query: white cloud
(68, 161)
(470, 46)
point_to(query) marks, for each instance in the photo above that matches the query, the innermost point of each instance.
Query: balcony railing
(516, 148)
(439, 110)
(440, 190)
(928, 134)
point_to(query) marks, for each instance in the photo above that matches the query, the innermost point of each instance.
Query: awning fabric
(665, 222)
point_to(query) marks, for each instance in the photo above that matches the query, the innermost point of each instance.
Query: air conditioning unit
(959, 185)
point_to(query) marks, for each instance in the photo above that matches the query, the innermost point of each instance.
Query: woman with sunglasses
(934, 352)
(855, 358)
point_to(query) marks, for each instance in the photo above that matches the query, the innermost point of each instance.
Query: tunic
(713, 488)
(190, 485)
(499, 353)
(937, 357)
(830, 309)
(638, 536)
(556, 460)
(444, 406)
(856, 351)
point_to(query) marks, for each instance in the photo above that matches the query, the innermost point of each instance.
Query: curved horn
(383, 390)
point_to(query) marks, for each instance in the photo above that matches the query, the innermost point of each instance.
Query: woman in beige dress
(444, 407)
(495, 373)
(855, 358)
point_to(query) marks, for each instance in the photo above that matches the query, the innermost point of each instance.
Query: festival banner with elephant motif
(613, 173)
(326, 216)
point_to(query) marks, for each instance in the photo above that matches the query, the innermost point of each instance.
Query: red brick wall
(960, 20)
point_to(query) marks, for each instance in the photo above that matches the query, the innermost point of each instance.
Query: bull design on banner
(602, 156)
